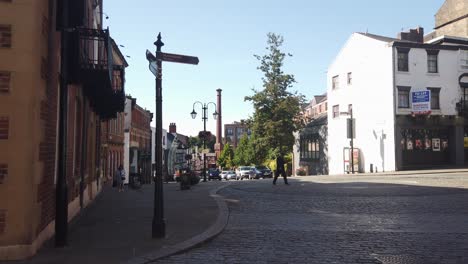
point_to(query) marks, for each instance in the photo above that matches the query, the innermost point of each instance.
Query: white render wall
(419, 79)
(371, 94)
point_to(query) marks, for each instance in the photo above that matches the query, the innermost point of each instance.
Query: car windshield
(261, 167)
(244, 168)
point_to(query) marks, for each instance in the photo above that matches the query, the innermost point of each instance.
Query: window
(335, 82)
(432, 61)
(403, 96)
(5, 78)
(403, 59)
(5, 36)
(309, 147)
(4, 127)
(435, 98)
(350, 108)
(336, 111)
(240, 131)
(229, 131)
(326, 106)
(350, 78)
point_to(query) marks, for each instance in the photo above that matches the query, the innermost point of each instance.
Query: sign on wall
(421, 102)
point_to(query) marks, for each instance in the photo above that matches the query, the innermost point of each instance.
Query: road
(345, 219)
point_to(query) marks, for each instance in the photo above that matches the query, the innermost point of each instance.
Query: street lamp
(204, 118)
(350, 126)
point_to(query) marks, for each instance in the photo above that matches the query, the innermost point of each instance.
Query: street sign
(153, 67)
(179, 58)
(351, 128)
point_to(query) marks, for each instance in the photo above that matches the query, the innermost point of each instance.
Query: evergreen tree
(276, 109)
(226, 157)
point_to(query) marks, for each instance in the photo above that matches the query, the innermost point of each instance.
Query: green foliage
(226, 157)
(276, 110)
(196, 141)
(301, 172)
(242, 154)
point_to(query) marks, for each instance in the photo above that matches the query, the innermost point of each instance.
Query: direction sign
(179, 58)
(153, 67)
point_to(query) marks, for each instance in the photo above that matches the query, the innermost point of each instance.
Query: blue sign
(421, 101)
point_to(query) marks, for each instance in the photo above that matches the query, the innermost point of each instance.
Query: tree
(226, 157)
(276, 110)
(241, 155)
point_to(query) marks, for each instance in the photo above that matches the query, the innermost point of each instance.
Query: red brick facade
(112, 138)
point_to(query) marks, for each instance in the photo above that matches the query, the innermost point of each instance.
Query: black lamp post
(204, 118)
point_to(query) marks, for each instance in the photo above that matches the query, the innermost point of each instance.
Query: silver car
(244, 172)
(228, 175)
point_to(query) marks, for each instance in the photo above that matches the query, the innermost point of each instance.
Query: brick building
(137, 149)
(30, 48)
(234, 132)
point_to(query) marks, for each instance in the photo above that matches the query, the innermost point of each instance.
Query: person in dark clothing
(280, 170)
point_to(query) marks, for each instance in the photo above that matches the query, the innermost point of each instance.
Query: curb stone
(211, 232)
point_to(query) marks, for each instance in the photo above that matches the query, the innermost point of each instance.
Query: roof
(378, 37)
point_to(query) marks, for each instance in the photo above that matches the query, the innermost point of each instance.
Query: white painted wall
(419, 79)
(371, 94)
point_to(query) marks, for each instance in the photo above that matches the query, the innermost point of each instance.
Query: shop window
(425, 140)
(403, 96)
(435, 98)
(309, 147)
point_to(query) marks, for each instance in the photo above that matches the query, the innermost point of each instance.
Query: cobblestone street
(347, 219)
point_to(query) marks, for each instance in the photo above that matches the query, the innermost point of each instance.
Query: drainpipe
(84, 148)
(61, 208)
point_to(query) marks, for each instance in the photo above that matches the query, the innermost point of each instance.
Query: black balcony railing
(92, 65)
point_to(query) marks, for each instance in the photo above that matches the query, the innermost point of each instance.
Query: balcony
(92, 65)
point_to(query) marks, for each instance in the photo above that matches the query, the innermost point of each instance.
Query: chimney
(218, 145)
(172, 128)
(414, 35)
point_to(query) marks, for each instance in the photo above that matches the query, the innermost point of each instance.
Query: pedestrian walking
(280, 170)
(119, 178)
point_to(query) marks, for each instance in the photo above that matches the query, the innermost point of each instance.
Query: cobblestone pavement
(353, 219)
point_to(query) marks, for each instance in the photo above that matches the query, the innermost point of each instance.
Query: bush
(301, 172)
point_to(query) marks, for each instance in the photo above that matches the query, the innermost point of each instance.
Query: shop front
(428, 142)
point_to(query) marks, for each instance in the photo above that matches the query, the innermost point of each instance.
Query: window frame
(432, 64)
(406, 89)
(350, 78)
(309, 147)
(336, 82)
(403, 60)
(337, 113)
(435, 93)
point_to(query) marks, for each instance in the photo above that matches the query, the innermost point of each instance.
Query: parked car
(213, 174)
(256, 174)
(266, 172)
(228, 175)
(244, 172)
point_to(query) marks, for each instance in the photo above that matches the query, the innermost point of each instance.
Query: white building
(376, 77)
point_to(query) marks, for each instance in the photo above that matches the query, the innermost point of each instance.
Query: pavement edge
(211, 232)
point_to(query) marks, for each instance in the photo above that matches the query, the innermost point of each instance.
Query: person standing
(119, 178)
(280, 170)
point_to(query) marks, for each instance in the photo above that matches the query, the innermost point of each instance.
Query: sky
(225, 35)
